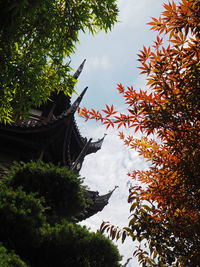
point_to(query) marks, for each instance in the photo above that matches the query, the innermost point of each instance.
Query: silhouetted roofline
(99, 202)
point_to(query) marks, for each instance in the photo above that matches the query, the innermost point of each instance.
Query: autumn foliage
(165, 209)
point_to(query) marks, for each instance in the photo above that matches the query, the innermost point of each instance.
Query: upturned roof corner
(99, 202)
(79, 70)
(74, 106)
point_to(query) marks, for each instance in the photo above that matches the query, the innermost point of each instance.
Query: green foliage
(59, 186)
(34, 199)
(75, 246)
(10, 258)
(36, 40)
(21, 216)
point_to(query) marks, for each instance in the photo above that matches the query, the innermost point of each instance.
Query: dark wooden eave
(57, 140)
(98, 202)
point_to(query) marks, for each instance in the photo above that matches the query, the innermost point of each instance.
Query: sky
(110, 59)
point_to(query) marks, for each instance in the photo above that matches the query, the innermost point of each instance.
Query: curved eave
(95, 146)
(99, 203)
(24, 127)
(103, 200)
(79, 138)
(42, 126)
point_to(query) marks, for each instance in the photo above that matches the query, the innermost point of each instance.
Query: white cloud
(134, 13)
(102, 171)
(96, 63)
(111, 59)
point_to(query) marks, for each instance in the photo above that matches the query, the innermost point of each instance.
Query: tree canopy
(38, 221)
(36, 41)
(165, 208)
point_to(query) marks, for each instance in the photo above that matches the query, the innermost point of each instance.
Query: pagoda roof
(41, 124)
(98, 202)
(54, 137)
(38, 131)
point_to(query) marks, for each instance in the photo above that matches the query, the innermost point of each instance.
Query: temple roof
(52, 135)
(61, 130)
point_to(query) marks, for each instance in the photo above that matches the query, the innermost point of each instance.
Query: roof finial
(75, 105)
(116, 186)
(79, 70)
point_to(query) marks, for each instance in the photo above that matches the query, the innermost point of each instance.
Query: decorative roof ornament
(97, 144)
(79, 70)
(76, 103)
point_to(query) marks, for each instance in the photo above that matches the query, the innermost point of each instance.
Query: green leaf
(16, 46)
(133, 206)
(146, 207)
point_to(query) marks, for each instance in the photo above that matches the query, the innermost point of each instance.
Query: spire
(76, 103)
(65, 99)
(79, 70)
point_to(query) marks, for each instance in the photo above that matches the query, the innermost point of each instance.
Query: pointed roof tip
(103, 199)
(97, 144)
(111, 192)
(83, 92)
(80, 97)
(76, 103)
(79, 70)
(116, 186)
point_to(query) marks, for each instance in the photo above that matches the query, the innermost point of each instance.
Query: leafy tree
(37, 217)
(10, 259)
(37, 223)
(165, 209)
(36, 41)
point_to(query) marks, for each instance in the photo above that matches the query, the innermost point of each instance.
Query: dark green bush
(21, 216)
(30, 197)
(70, 244)
(59, 186)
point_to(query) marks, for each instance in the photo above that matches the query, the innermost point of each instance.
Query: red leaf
(137, 128)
